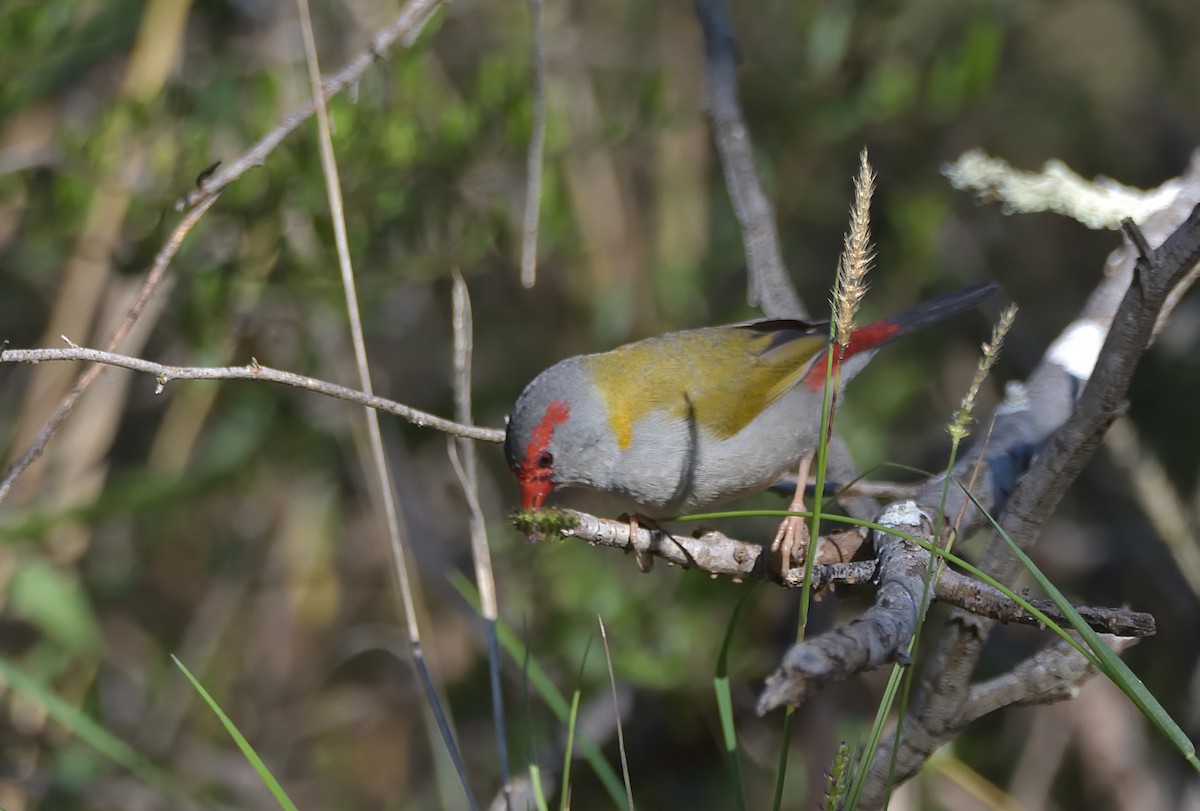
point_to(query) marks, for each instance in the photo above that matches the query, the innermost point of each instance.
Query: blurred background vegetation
(230, 523)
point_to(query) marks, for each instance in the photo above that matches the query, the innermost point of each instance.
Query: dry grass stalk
(857, 254)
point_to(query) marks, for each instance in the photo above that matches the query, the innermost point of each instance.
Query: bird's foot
(643, 558)
(793, 532)
(791, 542)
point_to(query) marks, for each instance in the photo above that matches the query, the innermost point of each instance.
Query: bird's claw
(643, 558)
(791, 538)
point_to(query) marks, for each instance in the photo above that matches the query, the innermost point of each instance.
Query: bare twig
(254, 371)
(154, 277)
(1054, 673)
(879, 635)
(405, 28)
(769, 285)
(984, 600)
(537, 147)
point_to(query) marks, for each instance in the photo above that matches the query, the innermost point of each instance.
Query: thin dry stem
(612, 682)
(384, 490)
(253, 371)
(991, 353)
(537, 148)
(463, 452)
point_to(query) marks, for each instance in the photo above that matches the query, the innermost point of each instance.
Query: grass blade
(725, 705)
(572, 719)
(248, 752)
(1108, 662)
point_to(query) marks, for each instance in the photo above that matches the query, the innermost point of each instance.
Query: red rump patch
(533, 477)
(861, 340)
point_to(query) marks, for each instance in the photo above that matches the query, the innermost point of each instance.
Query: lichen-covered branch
(1042, 437)
(839, 563)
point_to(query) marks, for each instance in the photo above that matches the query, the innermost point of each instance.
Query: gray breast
(674, 466)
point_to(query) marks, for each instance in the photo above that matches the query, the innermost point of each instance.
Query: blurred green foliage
(233, 524)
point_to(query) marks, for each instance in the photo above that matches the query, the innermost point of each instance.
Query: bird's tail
(884, 331)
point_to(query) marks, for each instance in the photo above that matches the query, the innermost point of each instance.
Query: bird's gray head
(555, 428)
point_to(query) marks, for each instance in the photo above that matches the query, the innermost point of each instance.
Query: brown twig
(154, 277)
(254, 371)
(876, 637)
(1054, 673)
(537, 148)
(769, 285)
(405, 28)
(720, 555)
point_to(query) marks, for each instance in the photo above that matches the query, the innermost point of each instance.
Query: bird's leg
(793, 531)
(644, 560)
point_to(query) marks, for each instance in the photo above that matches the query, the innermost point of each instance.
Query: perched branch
(876, 637)
(836, 564)
(254, 371)
(711, 551)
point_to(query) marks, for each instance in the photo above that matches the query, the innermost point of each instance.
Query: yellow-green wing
(722, 376)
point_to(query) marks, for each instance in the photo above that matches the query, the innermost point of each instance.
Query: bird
(680, 422)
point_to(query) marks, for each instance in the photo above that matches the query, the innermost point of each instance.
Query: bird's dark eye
(545, 459)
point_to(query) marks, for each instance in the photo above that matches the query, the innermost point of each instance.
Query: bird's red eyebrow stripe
(556, 414)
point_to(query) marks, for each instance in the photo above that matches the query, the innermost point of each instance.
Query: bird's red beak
(534, 490)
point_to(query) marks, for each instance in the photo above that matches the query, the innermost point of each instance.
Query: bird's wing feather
(774, 357)
(722, 377)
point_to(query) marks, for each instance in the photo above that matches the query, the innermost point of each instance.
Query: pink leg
(644, 560)
(793, 532)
